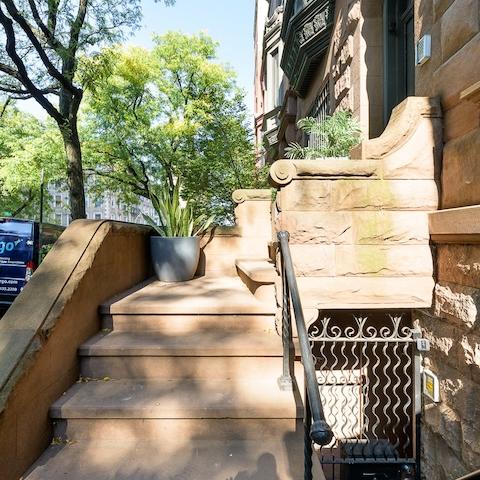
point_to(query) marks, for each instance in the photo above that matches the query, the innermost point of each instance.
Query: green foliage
(176, 219)
(27, 147)
(335, 136)
(44, 42)
(167, 113)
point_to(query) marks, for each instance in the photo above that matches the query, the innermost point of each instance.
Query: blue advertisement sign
(17, 253)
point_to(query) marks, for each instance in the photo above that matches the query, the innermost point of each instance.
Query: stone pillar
(248, 238)
(253, 212)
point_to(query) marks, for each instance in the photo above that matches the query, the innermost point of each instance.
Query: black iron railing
(317, 429)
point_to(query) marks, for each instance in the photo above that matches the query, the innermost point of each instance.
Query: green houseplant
(334, 137)
(175, 250)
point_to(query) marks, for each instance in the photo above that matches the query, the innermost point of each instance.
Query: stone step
(181, 458)
(213, 354)
(260, 270)
(184, 398)
(182, 324)
(208, 343)
(203, 295)
(138, 429)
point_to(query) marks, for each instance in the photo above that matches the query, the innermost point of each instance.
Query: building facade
(367, 56)
(316, 57)
(109, 207)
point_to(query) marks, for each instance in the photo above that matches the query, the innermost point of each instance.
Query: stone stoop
(180, 384)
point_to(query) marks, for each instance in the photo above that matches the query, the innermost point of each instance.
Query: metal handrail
(320, 431)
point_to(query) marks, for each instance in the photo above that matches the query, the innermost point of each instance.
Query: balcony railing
(306, 31)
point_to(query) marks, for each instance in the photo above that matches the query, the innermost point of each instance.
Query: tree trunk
(69, 105)
(73, 151)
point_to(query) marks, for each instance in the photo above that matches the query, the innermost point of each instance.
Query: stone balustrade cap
(282, 172)
(252, 195)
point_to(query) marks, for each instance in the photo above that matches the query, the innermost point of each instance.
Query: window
(98, 216)
(273, 80)
(273, 6)
(58, 218)
(58, 201)
(298, 5)
(98, 203)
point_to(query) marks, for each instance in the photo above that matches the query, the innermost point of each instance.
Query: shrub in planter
(333, 137)
(175, 250)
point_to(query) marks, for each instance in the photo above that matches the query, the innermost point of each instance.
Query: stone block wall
(451, 432)
(359, 227)
(451, 428)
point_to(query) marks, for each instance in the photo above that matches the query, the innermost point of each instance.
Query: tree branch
(51, 69)
(20, 92)
(9, 71)
(77, 26)
(136, 188)
(52, 15)
(25, 204)
(4, 107)
(49, 35)
(21, 71)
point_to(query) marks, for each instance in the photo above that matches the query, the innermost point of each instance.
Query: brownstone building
(366, 56)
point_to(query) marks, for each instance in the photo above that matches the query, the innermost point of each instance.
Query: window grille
(320, 111)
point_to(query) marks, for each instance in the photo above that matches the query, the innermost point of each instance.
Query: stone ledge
(259, 270)
(456, 225)
(57, 312)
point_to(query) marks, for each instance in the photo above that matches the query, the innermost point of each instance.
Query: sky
(229, 22)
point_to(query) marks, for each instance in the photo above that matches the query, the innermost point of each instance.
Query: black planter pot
(175, 259)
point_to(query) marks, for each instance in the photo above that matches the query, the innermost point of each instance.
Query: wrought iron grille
(363, 387)
(320, 111)
(366, 371)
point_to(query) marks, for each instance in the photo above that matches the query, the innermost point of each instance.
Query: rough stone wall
(451, 431)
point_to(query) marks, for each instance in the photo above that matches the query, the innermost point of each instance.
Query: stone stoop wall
(52, 317)
(359, 227)
(451, 432)
(249, 238)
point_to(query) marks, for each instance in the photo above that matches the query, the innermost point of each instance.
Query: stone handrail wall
(57, 312)
(248, 238)
(359, 226)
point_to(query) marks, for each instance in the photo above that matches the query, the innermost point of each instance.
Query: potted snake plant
(175, 250)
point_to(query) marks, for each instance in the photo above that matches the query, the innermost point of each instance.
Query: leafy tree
(44, 40)
(334, 136)
(28, 147)
(167, 113)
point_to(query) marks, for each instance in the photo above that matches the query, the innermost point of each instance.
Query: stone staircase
(180, 384)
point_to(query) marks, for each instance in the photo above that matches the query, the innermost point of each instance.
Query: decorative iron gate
(363, 387)
(368, 372)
